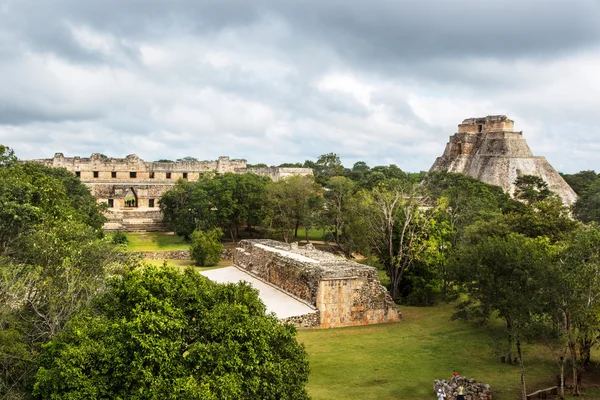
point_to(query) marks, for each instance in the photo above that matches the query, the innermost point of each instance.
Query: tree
(531, 189)
(188, 159)
(576, 296)
(506, 275)
(224, 200)
(159, 333)
(289, 202)
(326, 167)
(337, 196)
(53, 261)
(581, 181)
(391, 223)
(205, 249)
(587, 206)
(7, 156)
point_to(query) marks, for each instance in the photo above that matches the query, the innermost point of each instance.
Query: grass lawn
(409, 355)
(155, 241)
(187, 263)
(313, 234)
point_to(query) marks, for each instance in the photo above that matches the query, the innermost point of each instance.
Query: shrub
(206, 247)
(120, 238)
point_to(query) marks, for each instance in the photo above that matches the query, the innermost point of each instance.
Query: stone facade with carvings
(132, 187)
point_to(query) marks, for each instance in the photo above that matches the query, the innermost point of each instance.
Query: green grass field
(400, 361)
(155, 241)
(187, 263)
(313, 234)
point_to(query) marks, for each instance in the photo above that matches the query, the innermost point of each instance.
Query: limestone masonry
(345, 293)
(132, 187)
(488, 149)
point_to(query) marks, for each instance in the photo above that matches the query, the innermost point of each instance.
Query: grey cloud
(429, 64)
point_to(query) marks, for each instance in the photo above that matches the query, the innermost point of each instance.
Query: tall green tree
(391, 222)
(53, 261)
(337, 196)
(326, 167)
(506, 275)
(576, 296)
(162, 334)
(290, 201)
(225, 200)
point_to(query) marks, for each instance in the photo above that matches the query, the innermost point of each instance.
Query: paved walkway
(280, 303)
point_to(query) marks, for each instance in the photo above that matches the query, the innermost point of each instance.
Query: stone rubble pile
(473, 390)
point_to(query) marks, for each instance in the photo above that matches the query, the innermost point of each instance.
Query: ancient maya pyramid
(488, 149)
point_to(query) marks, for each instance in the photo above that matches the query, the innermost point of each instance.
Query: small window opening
(113, 174)
(151, 203)
(95, 174)
(479, 128)
(111, 203)
(185, 175)
(133, 174)
(78, 174)
(168, 175)
(151, 176)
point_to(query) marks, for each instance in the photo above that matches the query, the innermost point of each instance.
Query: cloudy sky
(384, 81)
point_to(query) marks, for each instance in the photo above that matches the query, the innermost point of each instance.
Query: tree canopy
(162, 334)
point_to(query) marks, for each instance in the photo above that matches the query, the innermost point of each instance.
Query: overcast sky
(383, 81)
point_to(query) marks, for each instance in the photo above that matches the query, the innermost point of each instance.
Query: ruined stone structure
(132, 187)
(473, 390)
(488, 149)
(344, 293)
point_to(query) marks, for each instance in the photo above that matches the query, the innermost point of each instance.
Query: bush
(120, 238)
(206, 247)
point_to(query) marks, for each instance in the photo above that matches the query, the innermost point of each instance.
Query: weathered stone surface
(226, 254)
(345, 293)
(488, 149)
(113, 180)
(473, 390)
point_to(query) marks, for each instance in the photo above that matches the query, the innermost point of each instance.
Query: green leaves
(205, 248)
(158, 333)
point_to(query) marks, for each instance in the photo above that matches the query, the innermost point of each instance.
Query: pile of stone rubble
(473, 390)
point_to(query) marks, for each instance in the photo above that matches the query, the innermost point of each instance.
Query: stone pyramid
(488, 149)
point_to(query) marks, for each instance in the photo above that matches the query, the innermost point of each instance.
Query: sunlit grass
(401, 360)
(156, 241)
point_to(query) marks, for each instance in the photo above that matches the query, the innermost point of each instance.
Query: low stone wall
(473, 390)
(304, 321)
(226, 254)
(165, 255)
(345, 293)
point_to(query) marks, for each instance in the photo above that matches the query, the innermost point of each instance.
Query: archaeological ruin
(341, 292)
(488, 149)
(132, 187)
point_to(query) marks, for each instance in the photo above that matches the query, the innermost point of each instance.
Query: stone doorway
(131, 200)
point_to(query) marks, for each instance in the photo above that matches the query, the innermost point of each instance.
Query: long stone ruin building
(341, 292)
(132, 187)
(488, 149)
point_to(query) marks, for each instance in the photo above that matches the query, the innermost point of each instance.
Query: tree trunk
(306, 232)
(563, 361)
(576, 389)
(296, 230)
(510, 340)
(523, 389)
